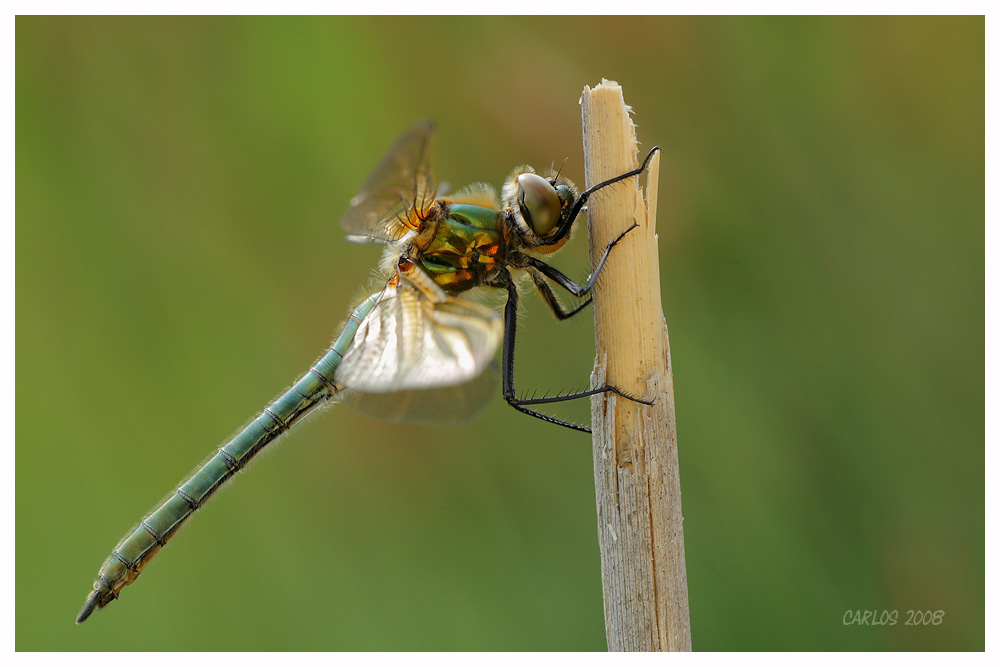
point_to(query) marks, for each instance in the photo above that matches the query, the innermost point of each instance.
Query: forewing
(409, 342)
(403, 178)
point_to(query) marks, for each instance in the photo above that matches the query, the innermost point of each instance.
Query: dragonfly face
(538, 204)
(415, 350)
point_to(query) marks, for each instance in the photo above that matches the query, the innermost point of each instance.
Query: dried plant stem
(635, 446)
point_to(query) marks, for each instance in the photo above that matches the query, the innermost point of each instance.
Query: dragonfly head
(539, 204)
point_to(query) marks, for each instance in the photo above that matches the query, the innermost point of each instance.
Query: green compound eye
(567, 196)
(539, 203)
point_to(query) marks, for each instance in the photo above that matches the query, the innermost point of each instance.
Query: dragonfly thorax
(462, 244)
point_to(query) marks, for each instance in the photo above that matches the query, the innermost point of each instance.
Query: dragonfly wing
(412, 354)
(437, 405)
(401, 181)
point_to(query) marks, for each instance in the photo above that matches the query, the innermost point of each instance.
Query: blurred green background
(179, 262)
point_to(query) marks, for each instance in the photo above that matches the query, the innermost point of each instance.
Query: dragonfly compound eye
(539, 203)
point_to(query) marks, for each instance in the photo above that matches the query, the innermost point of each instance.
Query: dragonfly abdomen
(138, 547)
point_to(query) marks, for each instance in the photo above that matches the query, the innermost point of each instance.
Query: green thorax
(465, 246)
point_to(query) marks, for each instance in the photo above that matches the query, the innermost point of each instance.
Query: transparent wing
(401, 181)
(414, 359)
(437, 405)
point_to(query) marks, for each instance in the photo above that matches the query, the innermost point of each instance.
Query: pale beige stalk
(635, 446)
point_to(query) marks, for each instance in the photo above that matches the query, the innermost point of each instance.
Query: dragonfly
(416, 349)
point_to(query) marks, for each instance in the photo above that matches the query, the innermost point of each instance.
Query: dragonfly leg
(537, 268)
(509, 393)
(504, 280)
(551, 300)
(565, 281)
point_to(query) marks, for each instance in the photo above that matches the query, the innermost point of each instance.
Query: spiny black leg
(567, 283)
(503, 279)
(560, 312)
(581, 394)
(567, 223)
(535, 266)
(550, 419)
(551, 300)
